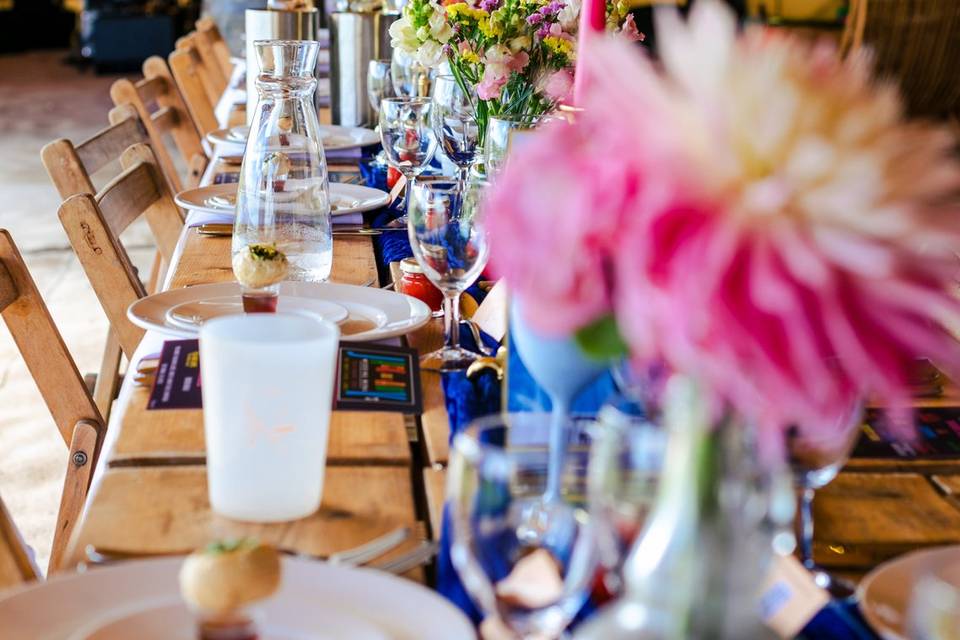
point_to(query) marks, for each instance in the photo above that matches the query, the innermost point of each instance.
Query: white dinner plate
(140, 599)
(191, 315)
(222, 198)
(372, 313)
(334, 137)
(884, 593)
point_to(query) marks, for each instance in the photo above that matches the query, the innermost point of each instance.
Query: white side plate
(222, 198)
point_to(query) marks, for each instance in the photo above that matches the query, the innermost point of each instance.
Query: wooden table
(149, 494)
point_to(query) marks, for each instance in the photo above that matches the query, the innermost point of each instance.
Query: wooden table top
(150, 495)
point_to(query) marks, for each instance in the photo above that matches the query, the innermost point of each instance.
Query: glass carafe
(283, 198)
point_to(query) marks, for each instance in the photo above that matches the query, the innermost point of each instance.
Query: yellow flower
(490, 28)
(466, 12)
(470, 57)
(558, 45)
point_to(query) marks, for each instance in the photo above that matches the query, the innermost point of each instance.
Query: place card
(177, 382)
(378, 378)
(370, 377)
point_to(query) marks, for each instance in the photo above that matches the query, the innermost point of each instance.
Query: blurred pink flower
(758, 215)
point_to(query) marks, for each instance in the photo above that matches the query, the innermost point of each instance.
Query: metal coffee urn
(352, 47)
(276, 24)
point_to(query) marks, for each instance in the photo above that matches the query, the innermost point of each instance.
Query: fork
(356, 556)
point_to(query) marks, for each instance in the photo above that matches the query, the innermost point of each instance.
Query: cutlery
(475, 330)
(223, 229)
(419, 555)
(355, 556)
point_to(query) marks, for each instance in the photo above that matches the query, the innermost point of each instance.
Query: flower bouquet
(516, 56)
(755, 213)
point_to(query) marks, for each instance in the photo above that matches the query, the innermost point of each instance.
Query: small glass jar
(415, 283)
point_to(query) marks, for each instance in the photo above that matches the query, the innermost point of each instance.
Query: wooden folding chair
(210, 34)
(71, 168)
(16, 565)
(195, 84)
(170, 118)
(60, 384)
(94, 225)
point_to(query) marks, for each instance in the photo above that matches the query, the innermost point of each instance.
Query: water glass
(526, 562)
(455, 123)
(499, 136)
(935, 605)
(452, 250)
(379, 83)
(267, 391)
(410, 78)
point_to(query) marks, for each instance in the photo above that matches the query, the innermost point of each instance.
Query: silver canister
(352, 47)
(273, 25)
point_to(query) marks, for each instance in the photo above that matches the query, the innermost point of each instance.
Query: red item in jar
(392, 176)
(416, 284)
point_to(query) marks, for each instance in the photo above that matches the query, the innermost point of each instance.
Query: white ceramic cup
(267, 382)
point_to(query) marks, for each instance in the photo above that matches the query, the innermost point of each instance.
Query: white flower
(439, 28)
(403, 36)
(569, 16)
(430, 53)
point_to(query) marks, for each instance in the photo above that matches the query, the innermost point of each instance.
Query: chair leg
(108, 380)
(84, 449)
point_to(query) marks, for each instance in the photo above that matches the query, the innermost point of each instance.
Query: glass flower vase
(708, 538)
(283, 196)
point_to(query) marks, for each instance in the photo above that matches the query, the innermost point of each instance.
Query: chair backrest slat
(106, 146)
(194, 87)
(127, 196)
(215, 46)
(71, 167)
(169, 118)
(93, 225)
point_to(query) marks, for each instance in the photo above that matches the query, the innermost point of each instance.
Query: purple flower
(489, 5)
(534, 19)
(544, 31)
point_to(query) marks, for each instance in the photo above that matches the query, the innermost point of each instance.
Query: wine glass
(379, 86)
(410, 78)
(451, 247)
(815, 462)
(530, 568)
(625, 464)
(406, 136)
(500, 131)
(455, 123)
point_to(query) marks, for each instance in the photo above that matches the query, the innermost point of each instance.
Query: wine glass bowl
(406, 134)
(451, 248)
(455, 123)
(410, 78)
(527, 562)
(379, 83)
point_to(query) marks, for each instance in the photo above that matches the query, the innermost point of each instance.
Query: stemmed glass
(452, 249)
(935, 604)
(455, 123)
(815, 462)
(529, 568)
(625, 463)
(407, 136)
(496, 144)
(379, 86)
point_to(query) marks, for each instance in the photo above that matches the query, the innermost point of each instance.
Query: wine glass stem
(558, 423)
(408, 193)
(806, 526)
(451, 320)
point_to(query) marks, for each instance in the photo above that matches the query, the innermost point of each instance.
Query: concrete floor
(42, 99)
